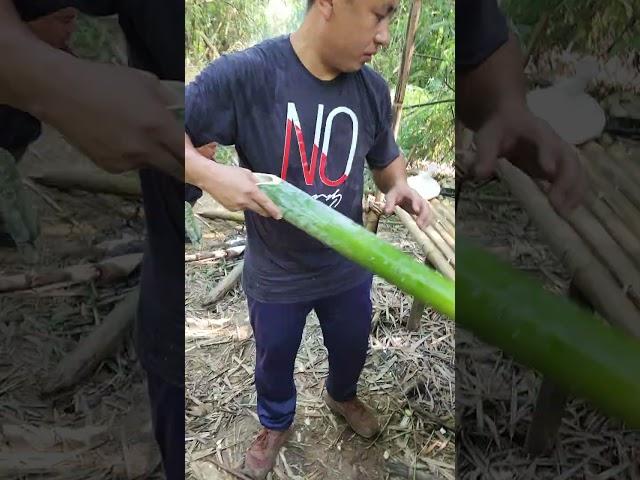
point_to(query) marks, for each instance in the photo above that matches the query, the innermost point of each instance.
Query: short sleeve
(385, 149)
(210, 113)
(481, 28)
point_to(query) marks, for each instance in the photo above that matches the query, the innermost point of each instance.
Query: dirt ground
(99, 427)
(418, 435)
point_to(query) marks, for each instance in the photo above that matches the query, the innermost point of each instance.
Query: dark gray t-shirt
(315, 134)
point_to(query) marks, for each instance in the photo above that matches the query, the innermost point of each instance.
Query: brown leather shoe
(263, 452)
(359, 417)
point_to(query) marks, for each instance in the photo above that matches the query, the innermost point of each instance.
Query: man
(491, 101)
(118, 117)
(303, 107)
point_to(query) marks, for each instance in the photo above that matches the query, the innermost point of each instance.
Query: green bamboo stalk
(549, 333)
(359, 245)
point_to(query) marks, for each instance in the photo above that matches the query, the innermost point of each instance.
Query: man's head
(350, 32)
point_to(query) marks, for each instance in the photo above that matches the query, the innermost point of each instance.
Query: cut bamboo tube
(438, 227)
(615, 199)
(616, 228)
(439, 242)
(433, 255)
(444, 211)
(612, 172)
(589, 274)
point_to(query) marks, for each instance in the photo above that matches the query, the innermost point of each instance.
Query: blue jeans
(345, 320)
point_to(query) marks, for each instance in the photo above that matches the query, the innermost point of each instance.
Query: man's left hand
(408, 199)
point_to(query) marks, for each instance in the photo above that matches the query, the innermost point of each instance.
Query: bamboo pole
(373, 218)
(359, 245)
(593, 278)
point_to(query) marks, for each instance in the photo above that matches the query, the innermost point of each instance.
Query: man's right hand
(235, 188)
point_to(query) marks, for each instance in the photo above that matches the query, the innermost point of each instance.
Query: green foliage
(191, 226)
(587, 25)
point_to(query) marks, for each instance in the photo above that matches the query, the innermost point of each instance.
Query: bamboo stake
(589, 274)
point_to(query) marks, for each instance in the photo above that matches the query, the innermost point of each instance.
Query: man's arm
(497, 84)
(117, 116)
(234, 188)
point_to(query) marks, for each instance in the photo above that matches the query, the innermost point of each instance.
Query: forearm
(30, 70)
(496, 84)
(390, 176)
(197, 167)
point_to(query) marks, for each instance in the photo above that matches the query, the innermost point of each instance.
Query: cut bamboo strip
(589, 274)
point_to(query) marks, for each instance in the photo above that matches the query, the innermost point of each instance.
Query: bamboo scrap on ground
(226, 284)
(220, 213)
(108, 270)
(231, 252)
(100, 343)
(90, 180)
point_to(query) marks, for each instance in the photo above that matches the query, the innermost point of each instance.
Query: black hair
(309, 4)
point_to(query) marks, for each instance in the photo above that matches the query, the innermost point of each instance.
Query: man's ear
(325, 7)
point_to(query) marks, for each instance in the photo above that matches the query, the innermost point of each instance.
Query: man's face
(356, 30)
